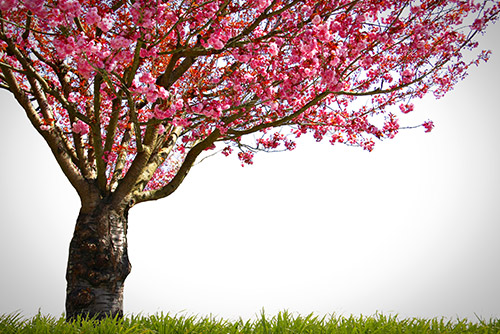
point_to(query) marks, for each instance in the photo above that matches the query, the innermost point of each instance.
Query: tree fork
(98, 263)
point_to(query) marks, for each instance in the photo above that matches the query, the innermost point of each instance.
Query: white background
(411, 228)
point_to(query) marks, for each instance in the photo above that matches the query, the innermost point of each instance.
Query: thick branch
(157, 158)
(121, 160)
(113, 122)
(181, 173)
(126, 185)
(135, 123)
(97, 136)
(167, 79)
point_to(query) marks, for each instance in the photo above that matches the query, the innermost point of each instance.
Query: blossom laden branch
(129, 94)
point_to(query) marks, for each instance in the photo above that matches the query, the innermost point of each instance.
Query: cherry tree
(128, 94)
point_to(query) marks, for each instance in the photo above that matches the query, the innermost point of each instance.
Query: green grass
(283, 323)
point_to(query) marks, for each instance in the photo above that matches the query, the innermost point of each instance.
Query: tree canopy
(128, 94)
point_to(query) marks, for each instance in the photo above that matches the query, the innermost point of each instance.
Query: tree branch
(281, 121)
(181, 173)
(95, 127)
(157, 158)
(120, 161)
(113, 122)
(126, 185)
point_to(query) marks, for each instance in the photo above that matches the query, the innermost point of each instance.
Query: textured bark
(98, 263)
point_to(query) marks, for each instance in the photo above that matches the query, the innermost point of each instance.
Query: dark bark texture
(98, 263)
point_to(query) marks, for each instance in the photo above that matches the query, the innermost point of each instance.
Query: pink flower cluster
(246, 158)
(275, 141)
(6, 5)
(71, 8)
(262, 4)
(391, 126)
(406, 108)
(80, 127)
(146, 85)
(429, 125)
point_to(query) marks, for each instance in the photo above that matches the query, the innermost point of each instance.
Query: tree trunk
(98, 263)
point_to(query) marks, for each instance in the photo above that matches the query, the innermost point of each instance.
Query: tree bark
(98, 262)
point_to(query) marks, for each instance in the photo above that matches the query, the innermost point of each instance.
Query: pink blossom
(71, 7)
(163, 93)
(162, 113)
(147, 78)
(387, 77)
(120, 42)
(103, 54)
(109, 157)
(137, 87)
(179, 104)
(290, 145)
(34, 5)
(323, 34)
(330, 78)
(92, 47)
(248, 77)
(368, 145)
(407, 76)
(84, 68)
(211, 8)
(316, 20)
(215, 42)
(335, 61)
(479, 24)
(151, 93)
(73, 97)
(242, 58)
(181, 122)
(80, 127)
(227, 151)
(335, 26)
(81, 41)
(263, 4)
(305, 58)
(306, 10)
(286, 15)
(65, 47)
(391, 126)
(336, 138)
(106, 23)
(428, 126)
(415, 9)
(148, 53)
(147, 18)
(366, 62)
(273, 49)
(406, 108)
(246, 158)
(6, 5)
(92, 16)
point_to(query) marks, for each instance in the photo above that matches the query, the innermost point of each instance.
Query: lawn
(283, 323)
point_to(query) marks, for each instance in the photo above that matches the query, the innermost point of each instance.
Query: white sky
(411, 228)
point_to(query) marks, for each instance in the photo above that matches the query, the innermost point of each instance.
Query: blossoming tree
(128, 93)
